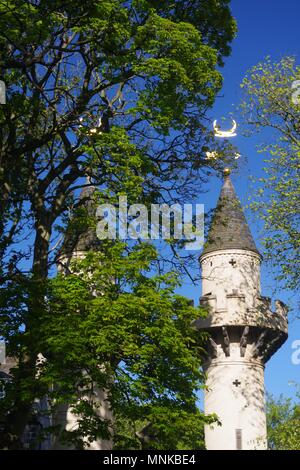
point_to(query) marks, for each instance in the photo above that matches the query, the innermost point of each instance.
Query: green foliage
(148, 69)
(110, 325)
(283, 421)
(116, 91)
(269, 106)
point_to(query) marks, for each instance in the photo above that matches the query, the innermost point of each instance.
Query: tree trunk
(19, 416)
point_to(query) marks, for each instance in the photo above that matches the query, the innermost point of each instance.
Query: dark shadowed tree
(113, 90)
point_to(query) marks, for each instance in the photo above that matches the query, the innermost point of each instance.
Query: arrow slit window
(238, 439)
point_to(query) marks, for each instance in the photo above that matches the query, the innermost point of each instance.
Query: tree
(113, 90)
(271, 104)
(124, 331)
(283, 421)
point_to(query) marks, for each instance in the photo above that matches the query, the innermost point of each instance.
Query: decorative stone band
(216, 363)
(207, 257)
(238, 314)
(240, 343)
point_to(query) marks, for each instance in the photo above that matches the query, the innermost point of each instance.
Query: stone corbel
(226, 341)
(271, 346)
(213, 348)
(259, 344)
(244, 340)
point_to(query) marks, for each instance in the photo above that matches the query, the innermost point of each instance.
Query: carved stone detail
(226, 341)
(259, 345)
(213, 347)
(244, 340)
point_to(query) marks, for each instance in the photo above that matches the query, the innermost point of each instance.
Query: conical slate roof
(229, 228)
(80, 235)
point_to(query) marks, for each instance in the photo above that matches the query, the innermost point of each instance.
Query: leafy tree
(140, 67)
(113, 90)
(134, 340)
(271, 104)
(283, 420)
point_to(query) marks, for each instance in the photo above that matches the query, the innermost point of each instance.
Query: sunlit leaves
(283, 420)
(269, 106)
(139, 331)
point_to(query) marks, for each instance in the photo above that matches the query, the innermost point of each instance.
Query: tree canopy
(271, 107)
(283, 421)
(116, 91)
(141, 334)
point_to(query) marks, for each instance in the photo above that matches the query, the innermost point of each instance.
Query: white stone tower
(244, 332)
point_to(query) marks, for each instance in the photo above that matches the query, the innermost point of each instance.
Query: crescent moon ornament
(225, 134)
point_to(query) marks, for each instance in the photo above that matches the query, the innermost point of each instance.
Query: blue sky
(265, 27)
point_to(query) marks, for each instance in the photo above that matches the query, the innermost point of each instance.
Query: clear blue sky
(265, 27)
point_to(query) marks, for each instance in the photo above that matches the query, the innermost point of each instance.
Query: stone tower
(243, 331)
(78, 241)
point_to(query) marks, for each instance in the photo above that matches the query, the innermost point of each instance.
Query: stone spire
(229, 228)
(81, 234)
(243, 330)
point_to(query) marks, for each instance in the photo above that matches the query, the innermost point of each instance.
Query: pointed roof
(229, 229)
(80, 235)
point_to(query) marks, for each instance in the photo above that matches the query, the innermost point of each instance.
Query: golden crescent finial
(225, 134)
